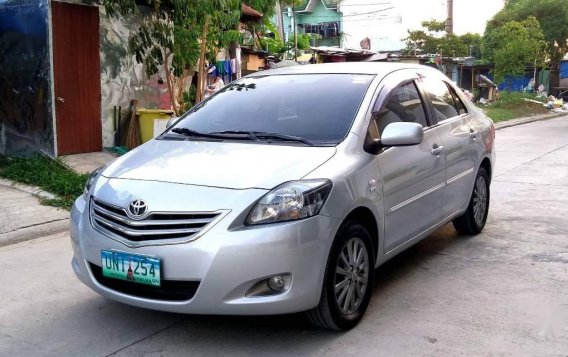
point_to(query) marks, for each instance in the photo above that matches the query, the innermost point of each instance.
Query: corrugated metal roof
(249, 11)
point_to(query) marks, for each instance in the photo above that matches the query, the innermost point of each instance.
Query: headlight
(92, 177)
(291, 201)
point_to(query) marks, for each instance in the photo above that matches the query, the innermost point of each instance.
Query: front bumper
(227, 260)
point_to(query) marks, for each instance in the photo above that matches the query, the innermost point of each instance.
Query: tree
(514, 45)
(179, 35)
(552, 16)
(432, 38)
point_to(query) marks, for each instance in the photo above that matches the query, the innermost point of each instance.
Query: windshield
(316, 107)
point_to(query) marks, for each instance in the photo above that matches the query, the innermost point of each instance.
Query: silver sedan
(284, 191)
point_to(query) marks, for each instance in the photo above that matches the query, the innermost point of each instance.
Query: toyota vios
(284, 191)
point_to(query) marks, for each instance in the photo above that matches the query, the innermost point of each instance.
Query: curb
(34, 232)
(526, 120)
(36, 191)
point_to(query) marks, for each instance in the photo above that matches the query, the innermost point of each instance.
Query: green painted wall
(319, 14)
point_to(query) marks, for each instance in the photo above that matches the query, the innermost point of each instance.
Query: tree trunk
(280, 19)
(295, 36)
(169, 82)
(201, 69)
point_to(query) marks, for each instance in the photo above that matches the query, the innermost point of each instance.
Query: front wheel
(474, 218)
(348, 280)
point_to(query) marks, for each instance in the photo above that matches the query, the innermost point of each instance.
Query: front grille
(171, 290)
(113, 220)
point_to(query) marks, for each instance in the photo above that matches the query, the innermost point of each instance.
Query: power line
(375, 4)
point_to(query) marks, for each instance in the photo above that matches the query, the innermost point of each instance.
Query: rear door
(456, 137)
(412, 176)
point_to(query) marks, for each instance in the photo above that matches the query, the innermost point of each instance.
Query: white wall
(387, 29)
(363, 18)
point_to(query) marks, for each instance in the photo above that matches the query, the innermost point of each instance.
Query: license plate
(137, 268)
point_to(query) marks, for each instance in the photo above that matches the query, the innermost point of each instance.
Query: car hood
(218, 164)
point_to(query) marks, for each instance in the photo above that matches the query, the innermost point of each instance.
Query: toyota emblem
(137, 208)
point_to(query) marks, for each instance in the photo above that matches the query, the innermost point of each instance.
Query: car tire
(474, 218)
(343, 309)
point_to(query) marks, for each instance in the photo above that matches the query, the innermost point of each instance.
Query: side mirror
(397, 134)
(171, 121)
(402, 134)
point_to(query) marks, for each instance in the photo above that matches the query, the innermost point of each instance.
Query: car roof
(374, 68)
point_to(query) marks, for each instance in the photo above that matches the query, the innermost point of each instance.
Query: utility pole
(450, 19)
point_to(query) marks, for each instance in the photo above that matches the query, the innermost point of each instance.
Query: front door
(412, 177)
(77, 77)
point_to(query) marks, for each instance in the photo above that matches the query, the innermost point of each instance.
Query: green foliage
(434, 25)
(473, 42)
(512, 105)
(50, 175)
(174, 30)
(514, 45)
(188, 99)
(552, 16)
(266, 7)
(433, 39)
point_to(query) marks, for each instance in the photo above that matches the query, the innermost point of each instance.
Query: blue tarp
(517, 83)
(26, 123)
(564, 69)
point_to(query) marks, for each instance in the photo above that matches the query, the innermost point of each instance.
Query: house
(318, 17)
(64, 73)
(66, 77)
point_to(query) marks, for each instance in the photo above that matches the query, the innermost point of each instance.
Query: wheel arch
(366, 217)
(486, 164)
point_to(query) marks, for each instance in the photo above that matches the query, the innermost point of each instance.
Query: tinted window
(441, 98)
(458, 102)
(403, 105)
(317, 107)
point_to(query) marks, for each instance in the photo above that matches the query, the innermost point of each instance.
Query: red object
(249, 11)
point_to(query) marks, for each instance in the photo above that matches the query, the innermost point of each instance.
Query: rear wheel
(348, 280)
(474, 218)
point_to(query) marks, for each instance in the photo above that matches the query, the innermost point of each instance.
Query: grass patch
(511, 105)
(50, 175)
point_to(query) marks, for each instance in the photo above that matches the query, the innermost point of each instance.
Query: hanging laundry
(221, 68)
(228, 71)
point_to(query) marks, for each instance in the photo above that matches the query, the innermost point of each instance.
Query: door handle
(60, 100)
(437, 150)
(473, 134)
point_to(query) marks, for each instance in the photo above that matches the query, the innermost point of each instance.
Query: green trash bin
(152, 120)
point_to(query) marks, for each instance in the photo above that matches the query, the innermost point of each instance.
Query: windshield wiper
(242, 134)
(198, 134)
(283, 137)
(249, 134)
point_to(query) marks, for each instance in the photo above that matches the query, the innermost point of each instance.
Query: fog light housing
(274, 285)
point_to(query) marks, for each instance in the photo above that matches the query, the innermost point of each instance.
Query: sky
(469, 15)
(386, 22)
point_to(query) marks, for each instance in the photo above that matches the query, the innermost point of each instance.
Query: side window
(459, 104)
(441, 98)
(403, 105)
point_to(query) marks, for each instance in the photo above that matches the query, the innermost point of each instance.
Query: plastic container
(148, 118)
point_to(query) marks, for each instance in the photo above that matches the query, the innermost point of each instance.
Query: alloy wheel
(351, 276)
(479, 200)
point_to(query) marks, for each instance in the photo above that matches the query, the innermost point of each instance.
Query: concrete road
(502, 293)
